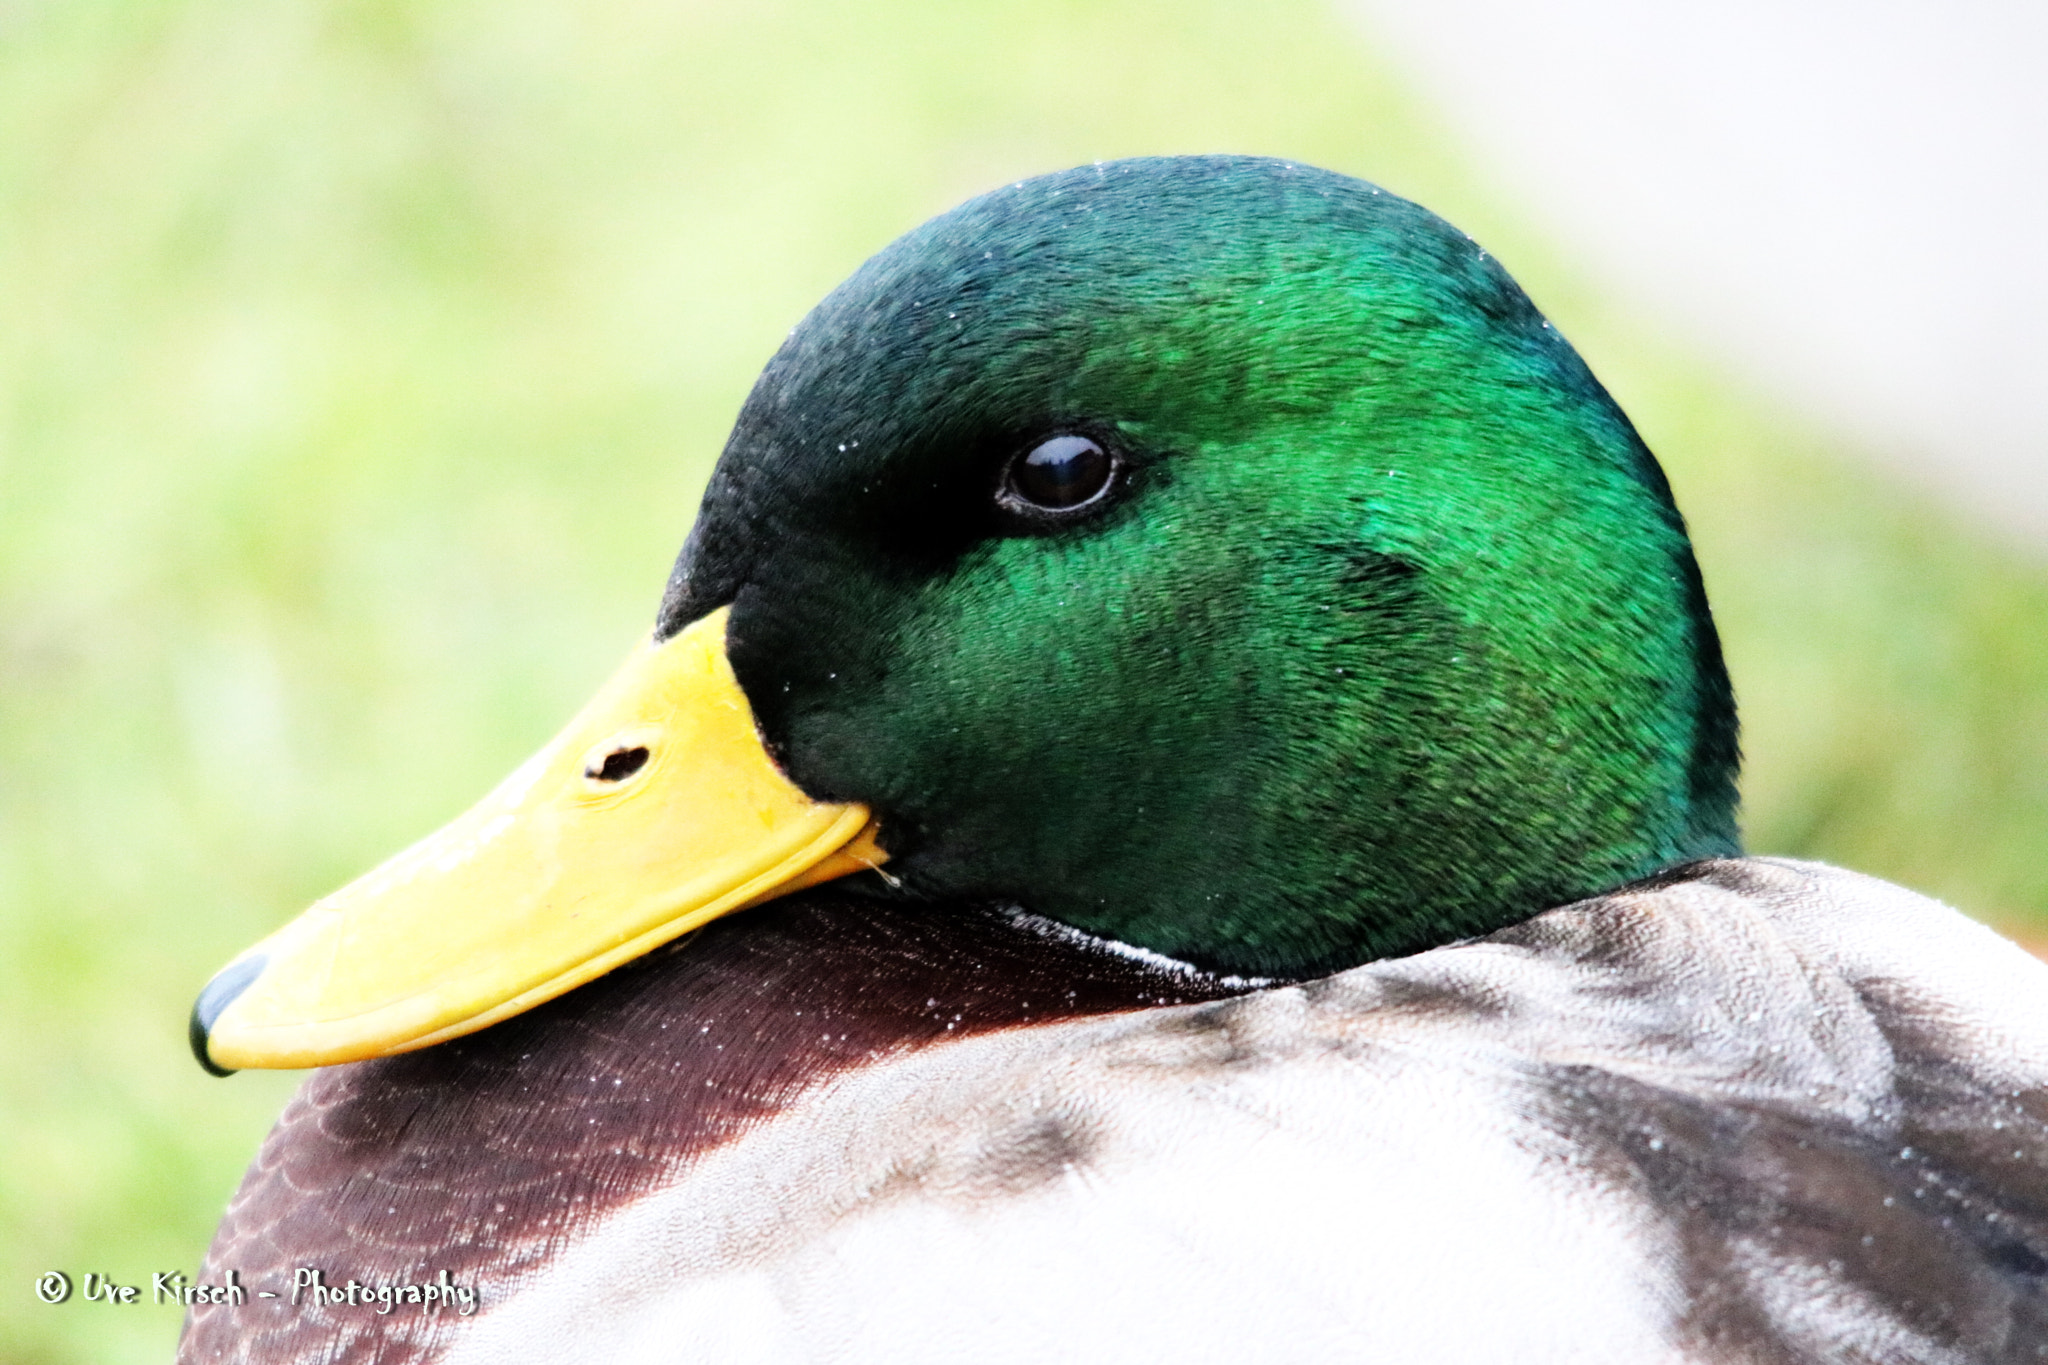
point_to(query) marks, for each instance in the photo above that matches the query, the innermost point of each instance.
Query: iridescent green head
(1222, 556)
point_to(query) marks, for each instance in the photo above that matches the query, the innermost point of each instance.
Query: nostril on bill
(618, 765)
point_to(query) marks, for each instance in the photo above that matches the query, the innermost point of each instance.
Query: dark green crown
(1384, 633)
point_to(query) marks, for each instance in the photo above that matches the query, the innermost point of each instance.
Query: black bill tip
(220, 992)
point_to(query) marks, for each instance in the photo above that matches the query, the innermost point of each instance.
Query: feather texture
(1747, 1111)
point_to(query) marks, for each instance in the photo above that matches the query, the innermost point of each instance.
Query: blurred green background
(360, 363)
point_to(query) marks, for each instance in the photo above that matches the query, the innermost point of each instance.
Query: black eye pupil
(1063, 472)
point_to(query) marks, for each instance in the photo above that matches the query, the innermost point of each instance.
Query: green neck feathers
(1385, 632)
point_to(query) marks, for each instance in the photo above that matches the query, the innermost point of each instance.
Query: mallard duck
(1180, 804)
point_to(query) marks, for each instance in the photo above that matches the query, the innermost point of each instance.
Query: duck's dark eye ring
(1059, 476)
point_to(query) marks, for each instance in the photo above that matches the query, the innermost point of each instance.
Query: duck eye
(1059, 474)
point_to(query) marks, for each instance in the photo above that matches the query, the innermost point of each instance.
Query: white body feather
(1381, 1166)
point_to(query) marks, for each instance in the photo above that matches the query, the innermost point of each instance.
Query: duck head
(1217, 555)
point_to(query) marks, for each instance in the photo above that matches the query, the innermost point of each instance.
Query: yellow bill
(656, 811)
